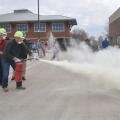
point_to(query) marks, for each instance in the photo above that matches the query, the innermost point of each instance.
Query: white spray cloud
(100, 67)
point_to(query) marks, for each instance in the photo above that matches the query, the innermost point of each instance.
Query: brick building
(114, 27)
(27, 21)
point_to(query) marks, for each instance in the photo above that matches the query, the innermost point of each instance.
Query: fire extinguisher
(18, 75)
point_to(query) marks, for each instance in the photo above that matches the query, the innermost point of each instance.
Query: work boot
(5, 89)
(13, 78)
(21, 88)
(23, 78)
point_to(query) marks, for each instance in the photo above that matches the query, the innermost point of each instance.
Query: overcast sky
(91, 15)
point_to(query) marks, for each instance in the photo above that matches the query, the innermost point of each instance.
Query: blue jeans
(6, 67)
(1, 71)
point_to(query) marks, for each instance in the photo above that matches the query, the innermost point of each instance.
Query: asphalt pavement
(56, 94)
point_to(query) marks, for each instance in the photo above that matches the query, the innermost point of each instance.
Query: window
(58, 27)
(6, 26)
(22, 27)
(39, 27)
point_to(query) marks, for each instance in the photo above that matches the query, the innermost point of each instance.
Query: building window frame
(58, 27)
(6, 26)
(22, 27)
(39, 27)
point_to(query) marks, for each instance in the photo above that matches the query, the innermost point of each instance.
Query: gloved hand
(1, 52)
(16, 59)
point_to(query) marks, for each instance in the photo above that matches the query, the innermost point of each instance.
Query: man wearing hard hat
(23, 55)
(10, 57)
(3, 35)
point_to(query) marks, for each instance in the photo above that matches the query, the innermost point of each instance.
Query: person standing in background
(3, 43)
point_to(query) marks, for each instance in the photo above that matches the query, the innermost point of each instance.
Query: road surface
(56, 94)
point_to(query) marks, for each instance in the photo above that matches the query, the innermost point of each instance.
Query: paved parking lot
(56, 94)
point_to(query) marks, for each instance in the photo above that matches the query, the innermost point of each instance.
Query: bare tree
(79, 34)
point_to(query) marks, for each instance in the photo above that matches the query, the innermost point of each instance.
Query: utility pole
(38, 20)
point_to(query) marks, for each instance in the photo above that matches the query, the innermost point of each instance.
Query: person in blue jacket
(105, 43)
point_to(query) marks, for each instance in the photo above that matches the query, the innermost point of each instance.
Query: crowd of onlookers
(38, 47)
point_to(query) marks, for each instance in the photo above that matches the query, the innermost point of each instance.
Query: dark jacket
(13, 49)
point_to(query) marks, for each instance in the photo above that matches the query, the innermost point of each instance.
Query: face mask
(20, 42)
(4, 37)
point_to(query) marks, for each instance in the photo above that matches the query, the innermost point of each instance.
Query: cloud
(90, 15)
